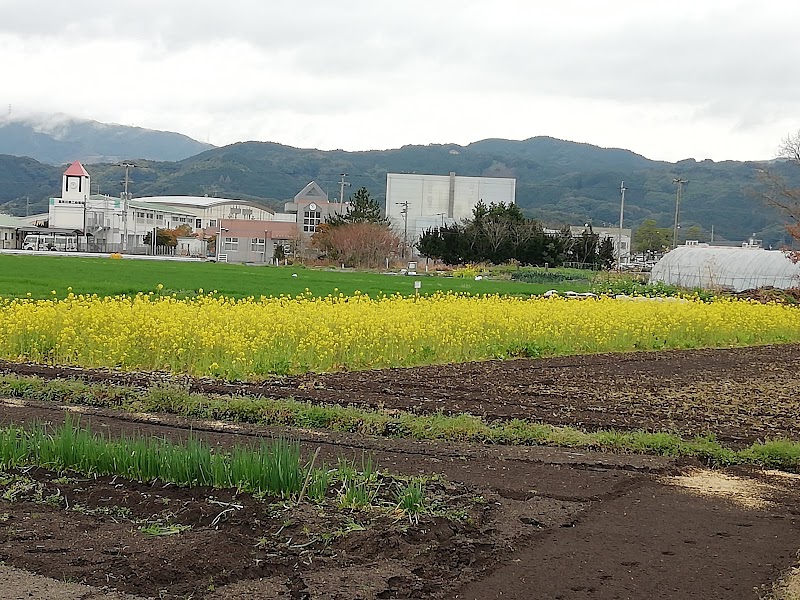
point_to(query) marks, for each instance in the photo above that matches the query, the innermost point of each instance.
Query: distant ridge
(558, 182)
(57, 138)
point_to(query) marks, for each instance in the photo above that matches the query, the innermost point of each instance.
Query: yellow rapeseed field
(256, 337)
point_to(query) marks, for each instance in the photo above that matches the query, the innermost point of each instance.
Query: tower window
(311, 219)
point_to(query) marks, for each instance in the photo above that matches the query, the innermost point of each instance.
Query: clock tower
(75, 184)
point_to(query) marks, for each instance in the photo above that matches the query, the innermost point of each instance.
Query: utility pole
(679, 182)
(27, 206)
(622, 189)
(342, 185)
(404, 212)
(85, 210)
(125, 201)
(128, 166)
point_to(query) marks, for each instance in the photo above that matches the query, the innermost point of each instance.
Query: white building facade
(11, 229)
(416, 202)
(622, 243)
(106, 224)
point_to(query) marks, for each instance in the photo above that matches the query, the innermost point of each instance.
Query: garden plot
(529, 522)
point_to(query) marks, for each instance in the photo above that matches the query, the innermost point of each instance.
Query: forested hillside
(57, 139)
(558, 182)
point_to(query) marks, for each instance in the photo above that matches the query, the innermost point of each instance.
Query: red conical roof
(76, 169)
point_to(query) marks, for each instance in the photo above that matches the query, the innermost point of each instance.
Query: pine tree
(363, 209)
(606, 254)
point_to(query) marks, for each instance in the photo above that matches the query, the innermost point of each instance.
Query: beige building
(309, 208)
(256, 242)
(259, 241)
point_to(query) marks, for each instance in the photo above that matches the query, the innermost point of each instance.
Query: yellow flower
(254, 337)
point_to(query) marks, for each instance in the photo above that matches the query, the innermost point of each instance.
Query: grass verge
(24, 276)
(776, 454)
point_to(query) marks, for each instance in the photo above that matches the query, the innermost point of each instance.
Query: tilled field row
(738, 395)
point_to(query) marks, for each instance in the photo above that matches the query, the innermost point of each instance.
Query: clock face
(312, 206)
(72, 185)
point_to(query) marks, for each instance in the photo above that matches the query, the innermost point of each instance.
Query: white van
(63, 242)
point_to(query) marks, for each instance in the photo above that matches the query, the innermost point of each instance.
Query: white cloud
(702, 78)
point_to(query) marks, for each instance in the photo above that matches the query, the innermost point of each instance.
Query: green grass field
(39, 276)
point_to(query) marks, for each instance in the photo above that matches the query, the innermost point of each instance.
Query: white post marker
(417, 286)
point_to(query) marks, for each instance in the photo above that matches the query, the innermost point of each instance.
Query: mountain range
(57, 139)
(558, 182)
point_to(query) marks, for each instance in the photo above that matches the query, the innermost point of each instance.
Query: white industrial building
(107, 224)
(207, 211)
(417, 202)
(99, 223)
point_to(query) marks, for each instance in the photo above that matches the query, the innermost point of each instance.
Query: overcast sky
(667, 79)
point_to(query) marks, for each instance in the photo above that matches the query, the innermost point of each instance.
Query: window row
(256, 244)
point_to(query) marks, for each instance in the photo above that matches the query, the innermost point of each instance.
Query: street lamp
(441, 215)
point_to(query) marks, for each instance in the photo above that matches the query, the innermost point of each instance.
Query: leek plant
(273, 467)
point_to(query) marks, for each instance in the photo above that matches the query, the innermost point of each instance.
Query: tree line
(362, 237)
(498, 233)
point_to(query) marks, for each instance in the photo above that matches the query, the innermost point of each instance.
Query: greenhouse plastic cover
(737, 269)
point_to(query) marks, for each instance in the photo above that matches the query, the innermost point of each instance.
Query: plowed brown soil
(533, 522)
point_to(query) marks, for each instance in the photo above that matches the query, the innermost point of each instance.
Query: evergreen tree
(362, 209)
(585, 248)
(606, 255)
(431, 243)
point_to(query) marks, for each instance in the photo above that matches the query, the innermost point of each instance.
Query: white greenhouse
(737, 269)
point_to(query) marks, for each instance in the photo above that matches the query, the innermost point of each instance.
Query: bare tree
(495, 232)
(356, 244)
(790, 147)
(520, 232)
(777, 192)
